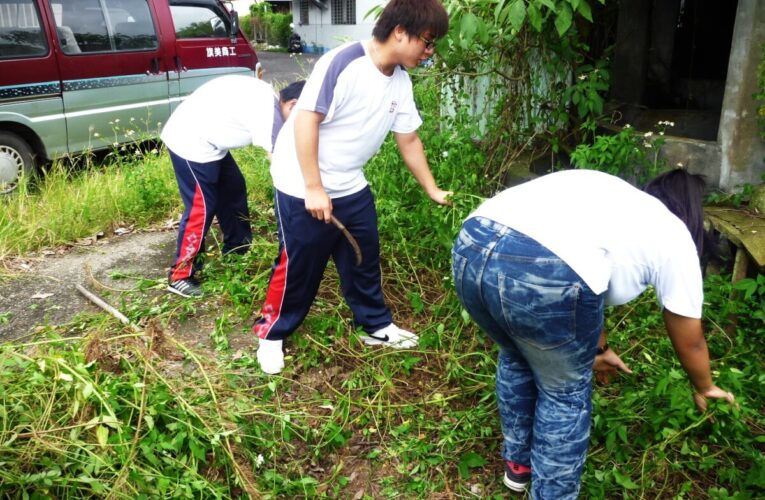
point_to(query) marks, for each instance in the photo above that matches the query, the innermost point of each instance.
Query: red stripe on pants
(272, 307)
(193, 234)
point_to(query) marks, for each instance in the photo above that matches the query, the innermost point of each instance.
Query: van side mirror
(234, 26)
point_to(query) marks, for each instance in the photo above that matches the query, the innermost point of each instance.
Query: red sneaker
(517, 476)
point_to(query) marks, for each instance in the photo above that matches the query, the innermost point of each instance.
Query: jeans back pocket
(542, 314)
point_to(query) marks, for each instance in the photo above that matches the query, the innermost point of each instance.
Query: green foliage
(279, 29)
(245, 24)
(647, 437)
(86, 422)
(543, 84)
(628, 154)
(588, 90)
(736, 199)
(276, 27)
(79, 200)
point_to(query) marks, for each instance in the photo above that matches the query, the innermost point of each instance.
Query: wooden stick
(105, 306)
(349, 237)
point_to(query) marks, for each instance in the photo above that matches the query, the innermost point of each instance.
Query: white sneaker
(392, 336)
(270, 356)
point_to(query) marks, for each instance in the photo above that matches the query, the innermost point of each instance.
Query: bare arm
(317, 202)
(687, 336)
(413, 154)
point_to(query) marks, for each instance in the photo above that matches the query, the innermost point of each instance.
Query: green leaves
(470, 461)
(563, 19)
(517, 14)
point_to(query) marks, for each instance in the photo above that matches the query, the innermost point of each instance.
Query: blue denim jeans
(546, 322)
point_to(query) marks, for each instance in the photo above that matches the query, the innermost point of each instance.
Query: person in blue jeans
(534, 267)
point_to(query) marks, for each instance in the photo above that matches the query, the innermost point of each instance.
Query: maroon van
(79, 75)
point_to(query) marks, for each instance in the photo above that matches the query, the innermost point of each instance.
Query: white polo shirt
(360, 106)
(617, 238)
(228, 112)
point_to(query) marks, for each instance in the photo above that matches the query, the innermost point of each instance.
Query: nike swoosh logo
(383, 338)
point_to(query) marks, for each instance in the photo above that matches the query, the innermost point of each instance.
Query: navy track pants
(305, 246)
(215, 188)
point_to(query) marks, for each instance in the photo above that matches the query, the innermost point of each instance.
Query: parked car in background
(79, 75)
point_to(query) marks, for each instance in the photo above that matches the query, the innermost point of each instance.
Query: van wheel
(16, 161)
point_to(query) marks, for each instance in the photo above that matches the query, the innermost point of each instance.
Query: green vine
(543, 88)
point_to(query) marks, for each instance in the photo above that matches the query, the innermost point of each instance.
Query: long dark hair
(415, 16)
(683, 193)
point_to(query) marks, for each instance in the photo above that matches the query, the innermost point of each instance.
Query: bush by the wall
(278, 29)
(268, 26)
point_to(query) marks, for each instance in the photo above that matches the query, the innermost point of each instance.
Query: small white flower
(680, 164)
(445, 154)
(647, 145)
(132, 119)
(671, 124)
(661, 132)
(582, 77)
(115, 144)
(117, 120)
(130, 133)
(96, 134)
(154, 151)
(648, 134)
(259, 460)
(627, 125)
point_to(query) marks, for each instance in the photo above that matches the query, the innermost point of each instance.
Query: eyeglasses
(429, 44)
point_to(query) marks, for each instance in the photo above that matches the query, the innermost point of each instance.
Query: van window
(198, 21)
(21, 33)
(85, 26)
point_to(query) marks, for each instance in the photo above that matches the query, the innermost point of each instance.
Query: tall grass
(69, 202)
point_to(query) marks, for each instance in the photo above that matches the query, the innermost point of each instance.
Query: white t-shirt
(228, 112)
(360, 106)
(618, 239)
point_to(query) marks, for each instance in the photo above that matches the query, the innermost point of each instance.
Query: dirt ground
(40, 288)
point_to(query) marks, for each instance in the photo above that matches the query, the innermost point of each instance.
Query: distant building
(325, 24)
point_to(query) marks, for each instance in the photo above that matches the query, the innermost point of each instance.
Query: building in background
(325, 24)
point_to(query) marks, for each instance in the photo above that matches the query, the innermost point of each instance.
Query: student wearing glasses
(356, 94)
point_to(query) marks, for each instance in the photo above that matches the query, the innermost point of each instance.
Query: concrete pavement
(280, 68)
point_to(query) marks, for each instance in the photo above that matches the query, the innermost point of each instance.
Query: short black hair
(291, 91)
(415, 16)
(683, 194)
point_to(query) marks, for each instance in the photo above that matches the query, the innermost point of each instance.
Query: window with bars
(304, 6)
(343, 11)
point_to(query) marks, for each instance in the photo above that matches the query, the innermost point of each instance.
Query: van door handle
(154, 66)
(179, 65)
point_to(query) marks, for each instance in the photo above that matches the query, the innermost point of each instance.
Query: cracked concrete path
(41, 288)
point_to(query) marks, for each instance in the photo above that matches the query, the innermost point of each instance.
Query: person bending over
(534, 267)
(228, 112)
